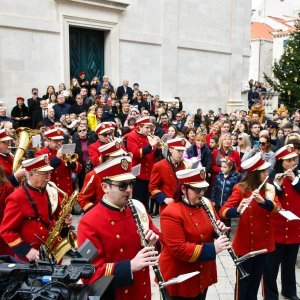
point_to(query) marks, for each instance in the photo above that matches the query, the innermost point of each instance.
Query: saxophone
(55, 244)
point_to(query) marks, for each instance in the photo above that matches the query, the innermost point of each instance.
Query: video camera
(46, 280)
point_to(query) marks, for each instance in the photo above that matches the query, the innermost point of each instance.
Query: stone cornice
(119, 5)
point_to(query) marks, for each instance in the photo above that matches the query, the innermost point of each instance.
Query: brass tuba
(24, 134)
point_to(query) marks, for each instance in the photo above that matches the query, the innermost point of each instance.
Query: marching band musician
(30, 211)
(111, 227)
(163, 181)
(144, 151)
(255, 231)
(6, 159)
(91, 191)
(105, 133)
(62, 173)
(5, 189)
(287, 233)
(189, 243)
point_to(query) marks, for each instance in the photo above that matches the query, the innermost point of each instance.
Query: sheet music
(136, 170)
(289, 215)
(179, 279)
(36, 141)
(166, 137)
(68, 148)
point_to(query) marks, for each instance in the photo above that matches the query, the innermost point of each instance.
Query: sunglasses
(178, 116)
(197, 190)
(106, 134)
(83, 130)
(262, 143)
(124, 185)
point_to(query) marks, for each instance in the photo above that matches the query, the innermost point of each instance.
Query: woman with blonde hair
(244, 144)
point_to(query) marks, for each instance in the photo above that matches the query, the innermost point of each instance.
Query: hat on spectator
(20, 99)
(4, 136)
(144, 121)
(255, 163)
(286, 152)
(39, 163)
(271, 123)
(104, 127)
(193, 177)
(178, 144)
(54, 134)
(112, 149)
(81, 73)
(118, 169)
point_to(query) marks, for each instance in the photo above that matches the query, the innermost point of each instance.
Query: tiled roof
(261, 31)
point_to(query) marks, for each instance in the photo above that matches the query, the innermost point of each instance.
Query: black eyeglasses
(197, 190)
(83, 130)
(262, 143)
(124, 185)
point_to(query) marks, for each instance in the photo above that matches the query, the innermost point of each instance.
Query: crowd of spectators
(211, 137)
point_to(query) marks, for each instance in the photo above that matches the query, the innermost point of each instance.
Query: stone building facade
(197, 50)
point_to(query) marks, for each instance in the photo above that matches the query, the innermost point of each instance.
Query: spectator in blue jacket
(223, 186)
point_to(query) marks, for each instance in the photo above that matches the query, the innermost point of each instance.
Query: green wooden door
(86, 52)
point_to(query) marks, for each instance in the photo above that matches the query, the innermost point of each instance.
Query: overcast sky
(255, 3)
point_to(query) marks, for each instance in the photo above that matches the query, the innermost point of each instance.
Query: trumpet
(161, 144)
(246, 205)
(70, 157)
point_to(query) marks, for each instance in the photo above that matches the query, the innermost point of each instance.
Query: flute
(145, 243)
(285, 173)
(246, 205)
(220, 233)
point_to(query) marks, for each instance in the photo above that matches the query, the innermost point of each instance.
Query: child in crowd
(224, 183)
(213, 143)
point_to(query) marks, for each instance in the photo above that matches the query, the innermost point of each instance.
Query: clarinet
(144, 242)
(220, 233)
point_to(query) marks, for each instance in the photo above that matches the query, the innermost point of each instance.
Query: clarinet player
(255, 231)
(189, 243)
(112, 228)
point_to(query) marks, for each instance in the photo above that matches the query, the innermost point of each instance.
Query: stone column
(238, 18)
(170, 25)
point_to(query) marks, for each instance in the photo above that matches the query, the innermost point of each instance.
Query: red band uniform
(114, 233)
(189, 242)
(62, 173)
(145, 155)
(93, 149)
(25, 217)
(255, 231)
(91, 192)
(163, 181)
(287, 233)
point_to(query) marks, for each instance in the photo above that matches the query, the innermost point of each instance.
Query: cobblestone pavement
(224, 288)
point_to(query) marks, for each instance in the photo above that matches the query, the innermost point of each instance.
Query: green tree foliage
(287, 72)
